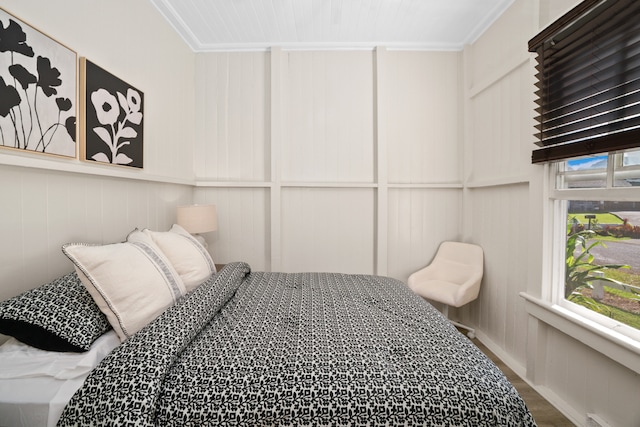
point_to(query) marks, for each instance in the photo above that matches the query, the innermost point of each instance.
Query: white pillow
(132, 282)
(190, 259)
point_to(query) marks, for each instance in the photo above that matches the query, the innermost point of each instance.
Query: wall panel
(243, 225)
(328, 118)
(45, 209)
(328, 229)
(501, 127)
(503, 45)
(419, 219)
(422, 117)
(500, 226)
(232, 117)
(589, 382)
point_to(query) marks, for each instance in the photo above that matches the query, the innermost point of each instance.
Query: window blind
(588, 81)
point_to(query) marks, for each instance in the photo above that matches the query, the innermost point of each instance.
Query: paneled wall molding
(275, 117)
(250, 184)
(352, 157)
(511, 65)
(108, 171)
(498, 182)
(380, 132)
(452, 185)
(70, 166)
(232, 184)
(523, 372)
(618, 347)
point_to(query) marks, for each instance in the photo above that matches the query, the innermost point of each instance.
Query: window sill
(610, 343)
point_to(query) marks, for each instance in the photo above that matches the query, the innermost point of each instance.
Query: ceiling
(224, 25)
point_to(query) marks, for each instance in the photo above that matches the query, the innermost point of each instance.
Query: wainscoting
(545, 414)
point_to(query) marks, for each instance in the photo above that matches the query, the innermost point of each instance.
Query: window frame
(557, 201)
(549, 317)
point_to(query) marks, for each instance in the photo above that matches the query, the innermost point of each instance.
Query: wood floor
(545, 414)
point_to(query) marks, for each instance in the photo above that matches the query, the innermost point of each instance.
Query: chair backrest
(466, 253)
(457, 261)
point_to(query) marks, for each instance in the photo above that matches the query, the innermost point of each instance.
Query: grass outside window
(584, 234)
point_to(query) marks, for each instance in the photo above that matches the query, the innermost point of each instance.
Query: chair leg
(471, 332)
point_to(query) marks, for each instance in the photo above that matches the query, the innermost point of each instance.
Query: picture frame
(38, 90)
(112, 118)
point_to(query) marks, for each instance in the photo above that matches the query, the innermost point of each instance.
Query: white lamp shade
(198, 218)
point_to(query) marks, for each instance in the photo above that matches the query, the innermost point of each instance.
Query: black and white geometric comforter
(275, 349)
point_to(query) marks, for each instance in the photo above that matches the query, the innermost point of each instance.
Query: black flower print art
(9, 98)
(13, 39)
(37, 90)
(114, 112)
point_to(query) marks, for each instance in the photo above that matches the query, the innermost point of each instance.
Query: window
(588, 80)
(596, 205)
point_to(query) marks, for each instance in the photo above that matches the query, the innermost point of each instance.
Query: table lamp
(198, 219)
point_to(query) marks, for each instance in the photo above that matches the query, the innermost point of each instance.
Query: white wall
(48, 201)
(353, 157)
(499, 138)
(43, 209)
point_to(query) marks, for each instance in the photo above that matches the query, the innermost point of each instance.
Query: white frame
(557, 225)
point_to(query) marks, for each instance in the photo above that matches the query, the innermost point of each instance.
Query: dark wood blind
(588, 81)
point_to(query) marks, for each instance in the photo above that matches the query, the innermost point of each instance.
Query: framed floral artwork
(38, 93)
(112, 116)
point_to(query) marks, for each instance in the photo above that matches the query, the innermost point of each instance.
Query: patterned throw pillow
(132, 282)
(57, 316)
(190, 259)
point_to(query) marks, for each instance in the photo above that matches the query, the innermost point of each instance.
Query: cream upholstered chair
(453, 277)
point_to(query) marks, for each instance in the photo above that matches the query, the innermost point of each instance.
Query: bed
(292, 349)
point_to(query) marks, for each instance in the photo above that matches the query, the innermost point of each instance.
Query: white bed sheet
(35, 385)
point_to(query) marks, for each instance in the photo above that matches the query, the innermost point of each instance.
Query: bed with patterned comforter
(275, 349)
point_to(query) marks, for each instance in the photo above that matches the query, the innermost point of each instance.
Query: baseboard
(549, 395)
